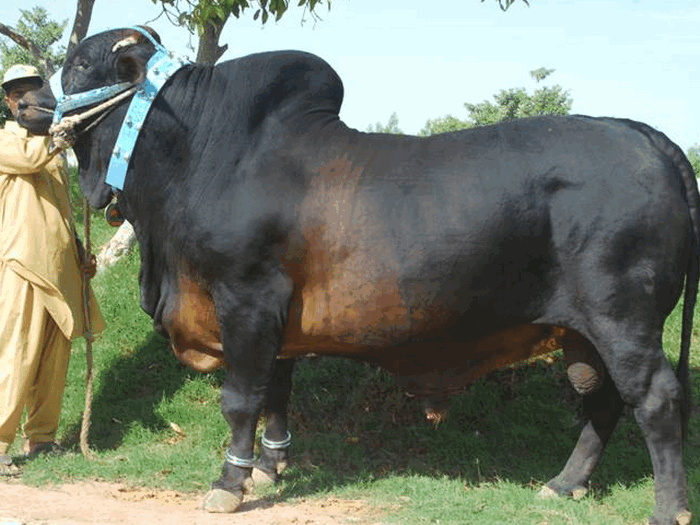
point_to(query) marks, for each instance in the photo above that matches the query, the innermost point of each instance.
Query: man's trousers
(34, 356)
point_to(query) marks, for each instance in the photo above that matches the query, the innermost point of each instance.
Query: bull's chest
(191, 323)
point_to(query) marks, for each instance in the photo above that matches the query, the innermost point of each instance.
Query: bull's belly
(416, 343)
(435, 368)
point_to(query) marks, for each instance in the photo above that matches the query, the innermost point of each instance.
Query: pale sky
(626, 58)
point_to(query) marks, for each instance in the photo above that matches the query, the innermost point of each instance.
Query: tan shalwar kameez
(41, 299)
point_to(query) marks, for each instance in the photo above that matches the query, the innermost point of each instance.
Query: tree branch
(47, 65)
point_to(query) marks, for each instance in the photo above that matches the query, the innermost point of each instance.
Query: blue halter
(159, 69)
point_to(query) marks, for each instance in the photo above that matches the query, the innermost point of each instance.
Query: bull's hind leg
(649, 385)
(638, 375)
(658, 414)
(602, 407)
(276, 440)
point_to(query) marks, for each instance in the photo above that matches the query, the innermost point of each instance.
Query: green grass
(355, 433)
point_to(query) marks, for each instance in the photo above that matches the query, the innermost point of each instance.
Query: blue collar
(159, 69)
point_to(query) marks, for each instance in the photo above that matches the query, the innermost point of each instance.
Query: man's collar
(15, 128)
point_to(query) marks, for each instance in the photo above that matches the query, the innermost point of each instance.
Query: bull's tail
(692, 275)
(691, 283)
(683, 371)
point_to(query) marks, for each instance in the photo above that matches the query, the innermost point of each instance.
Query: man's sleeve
(23, 156)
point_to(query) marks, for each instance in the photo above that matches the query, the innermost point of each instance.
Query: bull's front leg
(276, 440)
(252, 334)
(241, 408)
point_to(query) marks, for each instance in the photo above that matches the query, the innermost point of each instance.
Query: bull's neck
(176, 121)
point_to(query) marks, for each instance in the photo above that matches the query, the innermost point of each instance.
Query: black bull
(269, 229)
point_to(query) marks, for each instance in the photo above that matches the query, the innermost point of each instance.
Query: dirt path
(109, 503)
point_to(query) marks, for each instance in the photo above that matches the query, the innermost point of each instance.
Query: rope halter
(159, 69)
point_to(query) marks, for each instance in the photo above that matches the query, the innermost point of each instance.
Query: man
(41, 279)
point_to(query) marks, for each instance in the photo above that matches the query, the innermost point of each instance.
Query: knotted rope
(63, 132)
(89, 338)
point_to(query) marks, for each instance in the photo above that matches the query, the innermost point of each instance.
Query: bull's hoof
(218, 500)
(263, 479)
(548, 493)
(579, 493)
(684, 518)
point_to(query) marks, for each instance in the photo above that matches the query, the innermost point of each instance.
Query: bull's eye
(82, 65)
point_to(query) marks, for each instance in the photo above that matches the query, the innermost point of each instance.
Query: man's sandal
(50, 448)
(7, 467)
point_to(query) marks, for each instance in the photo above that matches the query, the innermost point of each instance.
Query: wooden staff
(89, 338)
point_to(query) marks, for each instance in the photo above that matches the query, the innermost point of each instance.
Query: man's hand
(62, 136)
(90, 267)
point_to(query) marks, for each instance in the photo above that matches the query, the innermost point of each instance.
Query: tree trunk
(81, 23)
(120, 243)
(209, 50)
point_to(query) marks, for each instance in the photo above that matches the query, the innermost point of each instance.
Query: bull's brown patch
(193, 327)
(347, 280)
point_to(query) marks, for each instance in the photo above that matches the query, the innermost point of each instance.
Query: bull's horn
(126, 42)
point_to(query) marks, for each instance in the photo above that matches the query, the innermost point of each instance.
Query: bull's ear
(133, 59)
(152, 32)
(131, 67)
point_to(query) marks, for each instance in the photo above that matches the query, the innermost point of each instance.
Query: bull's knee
(584, 369)
(663, 397)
